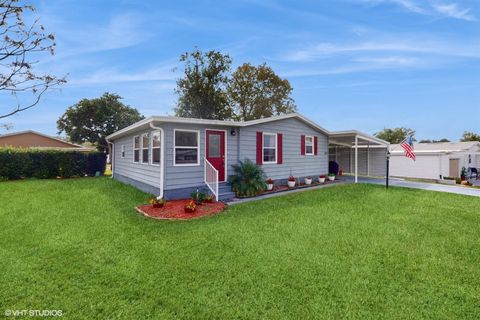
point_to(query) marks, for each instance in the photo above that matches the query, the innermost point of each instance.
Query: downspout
(162, 157)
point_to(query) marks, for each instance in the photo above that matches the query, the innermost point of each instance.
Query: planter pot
(308, 181)
(331, 178)
(270, 187)
(321, 180)
(188, 210)
(158, 205)
(291, 184)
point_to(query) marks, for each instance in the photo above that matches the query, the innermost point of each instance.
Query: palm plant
(248, 180)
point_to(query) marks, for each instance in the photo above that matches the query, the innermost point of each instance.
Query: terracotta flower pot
(158, 205)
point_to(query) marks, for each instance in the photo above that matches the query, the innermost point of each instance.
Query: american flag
(407, 145)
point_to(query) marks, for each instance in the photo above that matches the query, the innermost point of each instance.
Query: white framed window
(136, 149)
(309, 145)
(156, 148)
(145, 148)
(186, 150)
(122, 151)
(269, 148)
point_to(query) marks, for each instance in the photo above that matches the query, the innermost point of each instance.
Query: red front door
(216, 151)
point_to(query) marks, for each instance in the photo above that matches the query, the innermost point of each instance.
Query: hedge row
(45, 164)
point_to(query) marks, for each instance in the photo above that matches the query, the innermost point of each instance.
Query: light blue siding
(293, 162)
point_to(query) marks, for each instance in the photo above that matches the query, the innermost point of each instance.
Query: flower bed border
(217, 206)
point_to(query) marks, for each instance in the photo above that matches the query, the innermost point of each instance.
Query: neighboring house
(33, 139)
(172, 156)
(435, 160)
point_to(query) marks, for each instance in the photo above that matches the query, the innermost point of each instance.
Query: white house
(435, 160)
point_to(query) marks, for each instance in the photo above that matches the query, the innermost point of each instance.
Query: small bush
(47, 164)
(248, 180)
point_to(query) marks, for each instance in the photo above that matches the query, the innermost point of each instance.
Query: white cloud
(452, 10)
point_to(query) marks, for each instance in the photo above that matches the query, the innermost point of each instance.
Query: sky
(353, 64)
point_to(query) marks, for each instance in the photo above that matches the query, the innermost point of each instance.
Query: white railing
(211, 178)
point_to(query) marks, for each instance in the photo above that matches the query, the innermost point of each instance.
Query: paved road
(421, 185)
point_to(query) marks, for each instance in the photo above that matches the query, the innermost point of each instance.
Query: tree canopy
(395, 135)
(470, 136)
(21, 46)
(257, 92)
(202, 89)
(208, 90)
(92, 120)
(434, 141)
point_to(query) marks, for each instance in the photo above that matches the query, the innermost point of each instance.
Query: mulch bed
(174, 210)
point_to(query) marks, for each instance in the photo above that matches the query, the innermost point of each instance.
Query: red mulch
(174, 210)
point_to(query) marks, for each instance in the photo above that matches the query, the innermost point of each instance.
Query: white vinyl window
(269, 148)
(122, 149)
(309, 145)
(156, 145)
(145, 147)
(186, 148)
(136, 149)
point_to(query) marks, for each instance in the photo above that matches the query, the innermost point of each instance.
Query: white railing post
(210, 173)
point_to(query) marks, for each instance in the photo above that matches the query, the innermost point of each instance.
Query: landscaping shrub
(47, 164)
(248, 180)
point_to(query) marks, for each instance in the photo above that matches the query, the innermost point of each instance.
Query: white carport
(358, 153)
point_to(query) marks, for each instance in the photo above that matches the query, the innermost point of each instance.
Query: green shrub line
(49, 163)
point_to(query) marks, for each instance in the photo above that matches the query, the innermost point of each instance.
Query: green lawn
(348, 251)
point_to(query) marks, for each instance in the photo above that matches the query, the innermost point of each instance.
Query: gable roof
(440, 147)
(229, 123)
(66, 143)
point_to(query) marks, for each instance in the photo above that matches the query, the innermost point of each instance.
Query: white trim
(122, 151)
(356, 159)
(162, 157)
(263, 148)
(142, 148)
(186, 147)
(139, 148)
(226, 150)
(313, 143)
(151, 148)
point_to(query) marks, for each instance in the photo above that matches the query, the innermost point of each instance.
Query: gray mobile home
(171, 156)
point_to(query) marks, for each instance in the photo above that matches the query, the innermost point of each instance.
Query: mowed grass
(347, 251)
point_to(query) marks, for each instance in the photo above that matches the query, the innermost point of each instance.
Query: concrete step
(226, 196)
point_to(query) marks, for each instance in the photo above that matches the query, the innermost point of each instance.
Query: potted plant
(308, 180)
(322, 178)
(209, 198)
(269, 184)
(331, 177)
(291, 181)
(463, 174)
(190, 207)
(156, 203)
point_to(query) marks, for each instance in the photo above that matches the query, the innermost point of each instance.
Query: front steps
(225, 192)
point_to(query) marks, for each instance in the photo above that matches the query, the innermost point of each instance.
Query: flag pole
(388, 169)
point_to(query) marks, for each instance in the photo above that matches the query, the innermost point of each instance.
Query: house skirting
(137, 184)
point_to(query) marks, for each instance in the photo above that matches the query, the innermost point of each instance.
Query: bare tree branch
(20, 42)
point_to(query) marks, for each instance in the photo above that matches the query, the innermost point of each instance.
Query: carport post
(356, 158)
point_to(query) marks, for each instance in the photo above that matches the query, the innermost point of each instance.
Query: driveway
(419, 185)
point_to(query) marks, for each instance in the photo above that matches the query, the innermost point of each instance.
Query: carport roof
(347, 139)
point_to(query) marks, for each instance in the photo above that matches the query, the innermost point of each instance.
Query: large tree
(434, 141)
(23, 42)
(395, 135)
(92, 120)
(257, 92)
(470, 136)
(202, 89)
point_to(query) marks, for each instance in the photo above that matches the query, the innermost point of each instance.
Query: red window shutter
(259, 147)
(302, 145)
(315, 145)
(280, 148)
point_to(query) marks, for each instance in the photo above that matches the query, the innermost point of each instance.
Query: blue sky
(353, 64)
